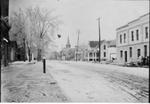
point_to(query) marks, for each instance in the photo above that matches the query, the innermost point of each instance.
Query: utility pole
(77, 45)
(99, 39)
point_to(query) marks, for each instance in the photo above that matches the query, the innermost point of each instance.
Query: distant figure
(144, 61)
(147, 61)
(113, 59)
(139, 60)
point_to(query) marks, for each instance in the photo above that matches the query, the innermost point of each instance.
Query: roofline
(132, 21)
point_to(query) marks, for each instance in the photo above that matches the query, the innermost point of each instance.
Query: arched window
(120, 38)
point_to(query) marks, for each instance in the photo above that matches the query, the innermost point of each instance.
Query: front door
(125, 56)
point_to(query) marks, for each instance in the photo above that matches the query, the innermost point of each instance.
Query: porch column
(93, 56)
(88, 56)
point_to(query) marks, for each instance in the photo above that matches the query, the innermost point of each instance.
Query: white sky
(82, 14)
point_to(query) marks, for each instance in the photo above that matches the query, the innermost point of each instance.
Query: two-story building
(133, 40)
(108, 50)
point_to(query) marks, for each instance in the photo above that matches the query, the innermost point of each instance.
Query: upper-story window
(120, 38)
(146, 32)
(137, 34)
(132, 35)
(124, 37)
(104, 47)
(145, 50)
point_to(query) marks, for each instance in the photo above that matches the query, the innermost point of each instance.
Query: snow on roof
(94, 44)
(111, 43)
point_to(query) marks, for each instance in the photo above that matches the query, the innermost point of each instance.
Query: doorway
(125, 56)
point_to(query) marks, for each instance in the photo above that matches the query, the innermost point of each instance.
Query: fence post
(44, 65)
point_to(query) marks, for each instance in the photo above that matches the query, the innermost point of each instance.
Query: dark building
(9, 49)
(4, 7)
(4, 37)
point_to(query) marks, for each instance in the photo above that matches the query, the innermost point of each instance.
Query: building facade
(4, 36)
(108, 51)
(92, 52)
(133, 40)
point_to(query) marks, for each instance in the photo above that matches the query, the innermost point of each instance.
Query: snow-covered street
(73, 81)
(90, 82)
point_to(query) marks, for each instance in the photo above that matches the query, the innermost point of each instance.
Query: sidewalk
(25, 82)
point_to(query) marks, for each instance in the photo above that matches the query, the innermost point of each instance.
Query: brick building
(133, 40)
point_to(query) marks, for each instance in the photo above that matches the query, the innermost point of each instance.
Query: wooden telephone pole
(99, 39)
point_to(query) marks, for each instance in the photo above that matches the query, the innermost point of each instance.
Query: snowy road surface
(89, 82)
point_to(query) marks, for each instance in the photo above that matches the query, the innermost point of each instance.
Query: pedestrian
(139, 60)
(144, 60)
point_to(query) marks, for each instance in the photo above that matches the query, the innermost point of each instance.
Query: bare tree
(42, 25)
(35, 28)
(17, 32)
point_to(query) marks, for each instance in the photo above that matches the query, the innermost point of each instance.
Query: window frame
(121, 54)
(146, 32)
(145, 50)
(104, 47)
(137, 34)
(130, 51)
(124, 37)
(120, 38)
(132, 35)
(104, 54)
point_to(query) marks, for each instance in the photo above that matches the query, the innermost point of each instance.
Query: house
(133, 40)
(108, 51)
(92, 53)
